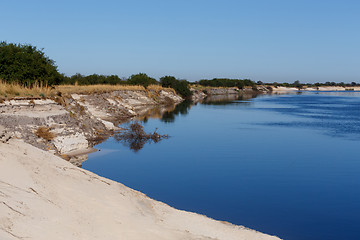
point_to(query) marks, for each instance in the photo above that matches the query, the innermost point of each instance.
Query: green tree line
(226, 82)
(26, 64)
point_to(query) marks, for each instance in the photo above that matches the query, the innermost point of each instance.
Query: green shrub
(93, 79)
(141, 79)
(168, 81)
(180, 86)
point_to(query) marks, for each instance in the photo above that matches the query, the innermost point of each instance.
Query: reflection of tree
(228, 99)
(182, 109)
(135, 137)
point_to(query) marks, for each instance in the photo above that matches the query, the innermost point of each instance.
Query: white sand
(45, 197)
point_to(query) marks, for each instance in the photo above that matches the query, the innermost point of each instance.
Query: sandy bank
(45, 197)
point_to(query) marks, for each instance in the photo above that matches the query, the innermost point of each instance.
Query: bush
(168, 81)
(27, 65)
(141, 79)
(180, 86)
(93, 79)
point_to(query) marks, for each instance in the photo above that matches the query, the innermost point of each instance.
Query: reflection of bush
(135, 137)
(182, 108)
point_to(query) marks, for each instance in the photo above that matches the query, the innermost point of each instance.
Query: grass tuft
(44, 132)
(158, 88)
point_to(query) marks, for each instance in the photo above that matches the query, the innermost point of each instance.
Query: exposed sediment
(77, 121)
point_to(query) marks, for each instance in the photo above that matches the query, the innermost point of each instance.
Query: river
(286, 165)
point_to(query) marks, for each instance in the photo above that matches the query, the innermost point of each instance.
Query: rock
(66, 144)
(4, 135)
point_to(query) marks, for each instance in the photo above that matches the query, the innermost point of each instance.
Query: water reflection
(154, 112)
(239, 99)
(181, 109)
(168, 114)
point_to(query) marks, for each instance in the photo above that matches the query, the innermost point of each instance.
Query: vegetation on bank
(27, 65)
(25, 71)
(180, 86)
(14, 90)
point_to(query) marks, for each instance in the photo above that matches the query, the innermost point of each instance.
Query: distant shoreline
(320, 88)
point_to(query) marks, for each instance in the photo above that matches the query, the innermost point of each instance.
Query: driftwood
(135, 137)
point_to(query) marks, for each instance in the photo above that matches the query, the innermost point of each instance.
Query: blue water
(286, 165)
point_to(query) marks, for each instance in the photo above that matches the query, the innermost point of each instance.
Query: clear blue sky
(277, 40)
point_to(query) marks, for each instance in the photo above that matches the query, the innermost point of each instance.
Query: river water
(286, 165)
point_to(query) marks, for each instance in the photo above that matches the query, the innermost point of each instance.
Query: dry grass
(44, 132)
(11, 90)
(158, 88)
(88, 89)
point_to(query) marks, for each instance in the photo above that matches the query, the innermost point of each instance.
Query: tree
(297, 84)
(25, 64)
(141, 79)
